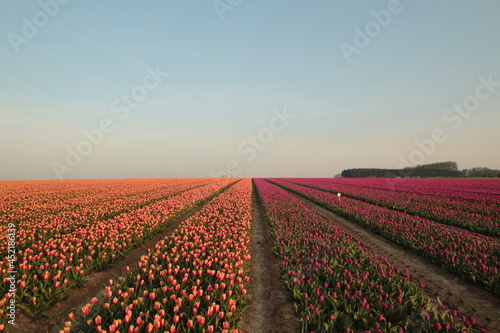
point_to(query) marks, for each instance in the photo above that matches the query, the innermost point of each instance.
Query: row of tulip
(478, 216)
(85, 209)
(193, 280)
(338, 285)
(483, 192)
(473, 257)
(469, 189)
(475, 196)
(65, 222)
(27, 200)
(48, 269)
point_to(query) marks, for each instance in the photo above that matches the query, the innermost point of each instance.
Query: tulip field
(468, 254)
(337, 282)
(192, 281)
(56, 235)
(474, 208)
(61, 250)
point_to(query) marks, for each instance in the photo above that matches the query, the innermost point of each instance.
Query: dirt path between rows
(54, 317)
(271, 309)
(454, 292)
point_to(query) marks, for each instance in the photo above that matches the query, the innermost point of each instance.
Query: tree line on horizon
(432, 170)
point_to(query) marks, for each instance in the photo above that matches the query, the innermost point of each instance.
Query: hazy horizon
(245, 88)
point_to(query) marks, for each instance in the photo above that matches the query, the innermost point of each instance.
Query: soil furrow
(53, 319)
(271, 309)
(454, 292)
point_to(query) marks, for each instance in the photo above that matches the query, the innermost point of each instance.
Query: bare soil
(271, 309)
(454, 292)
(53, 319)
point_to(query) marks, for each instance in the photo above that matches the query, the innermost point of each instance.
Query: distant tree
(440, 169)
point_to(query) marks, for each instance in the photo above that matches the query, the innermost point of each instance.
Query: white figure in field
(339, 195)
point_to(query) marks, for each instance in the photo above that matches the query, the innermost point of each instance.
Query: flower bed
(337, 283)
(191, 281)
(470, 211)
(464, 253)
(50, 267)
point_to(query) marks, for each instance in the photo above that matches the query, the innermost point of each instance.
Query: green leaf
(497, 290)
(347, 322)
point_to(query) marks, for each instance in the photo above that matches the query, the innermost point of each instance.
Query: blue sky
(254, 88)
